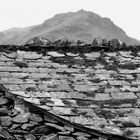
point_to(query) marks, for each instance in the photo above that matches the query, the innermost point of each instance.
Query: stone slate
(96, 90)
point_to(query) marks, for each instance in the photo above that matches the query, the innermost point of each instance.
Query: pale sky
(22, 13)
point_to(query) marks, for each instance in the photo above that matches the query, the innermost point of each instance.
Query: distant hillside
(80, 25)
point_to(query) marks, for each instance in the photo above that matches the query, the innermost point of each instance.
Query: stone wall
(98, 90)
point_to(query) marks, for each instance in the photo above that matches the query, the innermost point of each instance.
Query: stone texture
(49, 137)
(124, 95)
(35, 117)
(66, 138)
(98, 90)
(6, 121)
(30, 137)
(3, 101)
(4, 111)
(42, 130)
(21, 118)
(55, 54)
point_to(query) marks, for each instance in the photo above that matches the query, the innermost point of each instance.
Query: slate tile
(102, 96)
(2, 63)
(92, 55)
(20, 75)
(9, 69)
(33, 100)
(133, 132)
(123, 95)
(3, 101)
(66, 138)
(29, 55)
(21, 118)
(35, 117)
(30, 137)
(29, 69)
(58, 127)
(21, 93)
(55, 54)
(60, 95)
(5, 74)
(50, 137)
(62, 111)
(6, 121)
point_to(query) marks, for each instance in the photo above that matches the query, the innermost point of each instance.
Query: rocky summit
(69, 94)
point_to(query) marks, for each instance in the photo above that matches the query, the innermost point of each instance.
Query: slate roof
(98, 90)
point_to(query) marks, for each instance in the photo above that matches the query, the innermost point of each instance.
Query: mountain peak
(82, 11)
(80, 25)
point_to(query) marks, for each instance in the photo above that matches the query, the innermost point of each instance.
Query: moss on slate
(21, 64)
(129, 66)
(119, 102)
(31, 89)
(107, 114)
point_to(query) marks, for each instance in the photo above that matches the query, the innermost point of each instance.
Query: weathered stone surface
(30, 137)
(50, 137)
(3, 101)
(55, 54)
(15, 126)
(21, 93)
(82, 138)
(61, 111)
(72, 54)
(49, 119)
(113, 130)
(64, 133)
(123, 95)
(133, 132)
(81, 134)
(9, 69)
(12, 87)
(33, 100)
(42, 130)
(92, 55)
(21, 118)
(28, 126)
(100, 96)
(5, 134)
(66, 138)
(29, 70)
(3, 111)
(12, 55)
(55, 126)
(6, 121)
(99, 90)
(35, 117)
(29, 55)
(19, 137)
(84, 88)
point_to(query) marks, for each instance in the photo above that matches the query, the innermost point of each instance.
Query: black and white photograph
(69, 70)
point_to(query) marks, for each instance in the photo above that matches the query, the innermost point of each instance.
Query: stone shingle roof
(94, 92)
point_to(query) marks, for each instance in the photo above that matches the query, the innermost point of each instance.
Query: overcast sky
(22, 13)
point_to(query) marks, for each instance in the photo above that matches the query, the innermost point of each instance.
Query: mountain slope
(80, 25)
